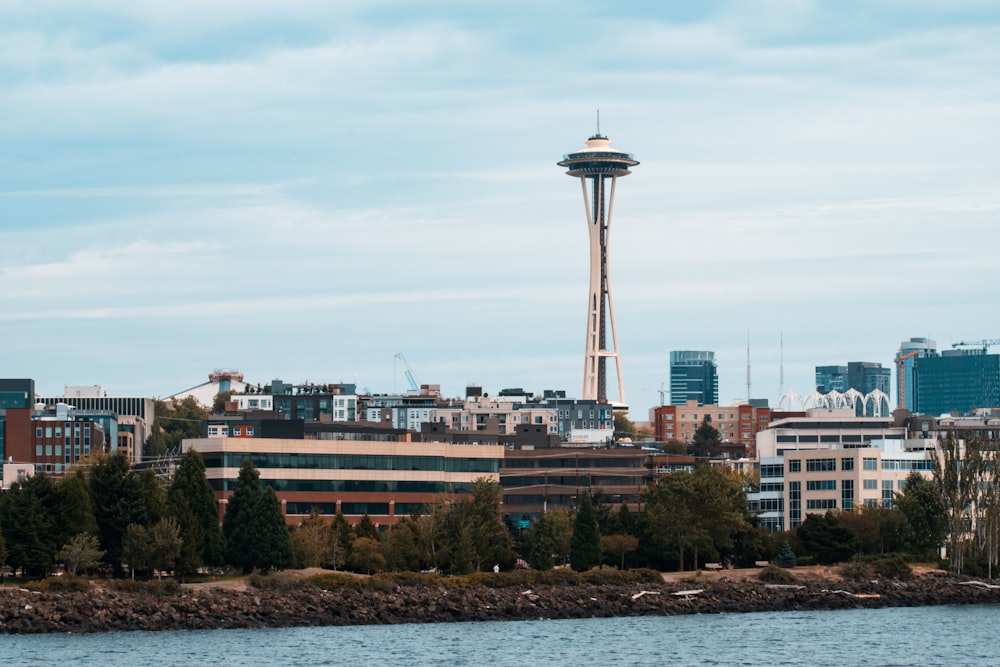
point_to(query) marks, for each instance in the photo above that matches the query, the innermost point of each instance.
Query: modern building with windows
(133, 416)
(862, 376)
(54, 438)
(694, 376)
(537, 481)
(906, 361)
(831, 459)
(385, 480)
(956, 381)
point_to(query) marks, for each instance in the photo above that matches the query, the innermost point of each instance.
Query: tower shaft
(599, 204)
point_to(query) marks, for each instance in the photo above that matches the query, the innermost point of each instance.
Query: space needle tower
(598, 166)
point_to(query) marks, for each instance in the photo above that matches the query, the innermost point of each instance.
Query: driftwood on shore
(102, 610)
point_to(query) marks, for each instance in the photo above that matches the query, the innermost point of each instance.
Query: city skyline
(305, 191)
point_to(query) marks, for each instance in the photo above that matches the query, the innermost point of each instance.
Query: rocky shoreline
(104, 610)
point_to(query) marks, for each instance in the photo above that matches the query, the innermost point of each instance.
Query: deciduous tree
(81, 552)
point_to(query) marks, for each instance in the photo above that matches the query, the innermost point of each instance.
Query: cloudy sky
(304, 189)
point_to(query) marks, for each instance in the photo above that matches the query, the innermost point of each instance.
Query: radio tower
(599, 163)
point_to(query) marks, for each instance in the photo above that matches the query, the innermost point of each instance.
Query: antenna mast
(748, 365)
(781, 366)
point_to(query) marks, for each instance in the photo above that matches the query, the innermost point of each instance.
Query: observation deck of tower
(599, 163)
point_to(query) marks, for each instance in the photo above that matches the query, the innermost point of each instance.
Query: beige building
(478, 412)
(831, 460)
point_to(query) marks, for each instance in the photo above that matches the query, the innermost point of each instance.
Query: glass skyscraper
(694, 376)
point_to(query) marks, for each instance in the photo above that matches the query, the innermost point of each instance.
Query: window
(237, 430)
(771, 470)
(847, 464)
(870, 464)
(821, 504)
(249, 430)
(821, 485)
(887, 493)
(821, 465)
(38, 431)
(847, 494)
(795, 465)
(794, 504)
(870, 484)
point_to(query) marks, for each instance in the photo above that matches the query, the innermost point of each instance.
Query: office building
(384, 479)
(694, 376)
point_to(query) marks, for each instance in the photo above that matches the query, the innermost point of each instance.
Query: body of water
(962, 635)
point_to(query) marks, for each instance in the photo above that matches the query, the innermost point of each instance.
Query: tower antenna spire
(598, 122)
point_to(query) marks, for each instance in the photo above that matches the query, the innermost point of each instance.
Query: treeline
(107, 515)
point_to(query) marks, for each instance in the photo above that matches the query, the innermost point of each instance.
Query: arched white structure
(873, 404)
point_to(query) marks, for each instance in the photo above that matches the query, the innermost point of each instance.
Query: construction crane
(985, 343)
(901, 376)
(361, 386)
(408, 372)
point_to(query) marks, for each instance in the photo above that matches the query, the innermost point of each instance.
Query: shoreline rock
(104, 610)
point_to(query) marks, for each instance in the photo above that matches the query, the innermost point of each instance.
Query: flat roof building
(385, 480)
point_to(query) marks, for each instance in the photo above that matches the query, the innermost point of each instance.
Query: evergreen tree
(254, 527)
(190, 558)
(274, 547)
(585, 547)
(786, 557)
(75, 513)
(706, 441)
(191, 481)
(154, 495)
(340, 541)
(119, 501)
(365, 528)
(29, 525)
(237, 523)
(823, 536)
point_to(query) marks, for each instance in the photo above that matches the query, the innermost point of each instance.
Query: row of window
(350, 486)
(356, 509)
(351, 462)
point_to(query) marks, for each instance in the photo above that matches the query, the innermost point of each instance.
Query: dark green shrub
(856, 571)
(154, 586)
(329, 581)
(64, 584)
(773, 574)
(893, 567)
(610, 577)
(273, 581)
(423, 579)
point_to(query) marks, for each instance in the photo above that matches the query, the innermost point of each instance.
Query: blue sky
(303, 189)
